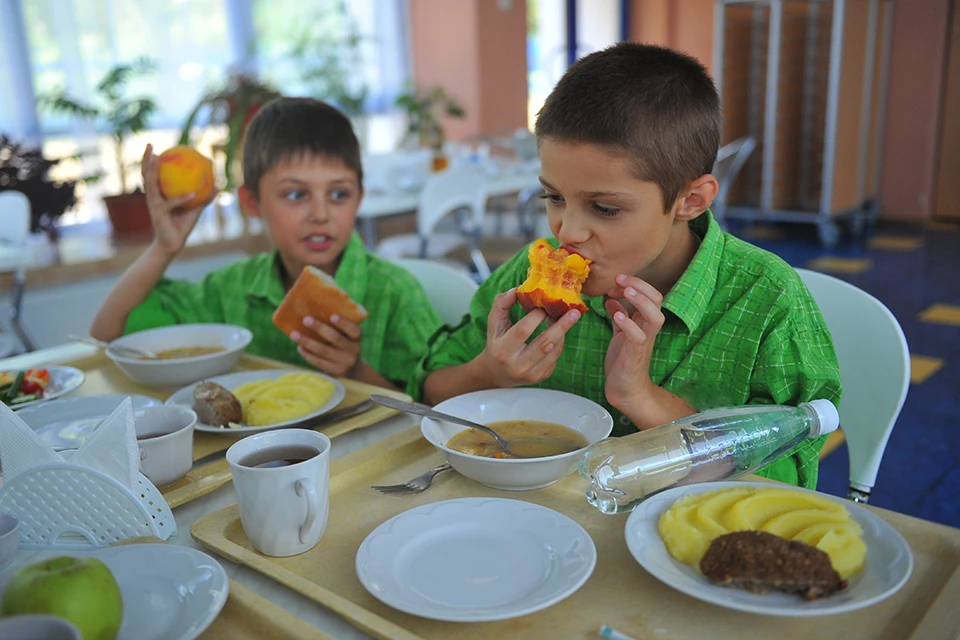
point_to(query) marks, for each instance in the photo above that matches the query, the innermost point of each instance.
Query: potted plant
(122, 116)
(28, 171)
(424, 108)
(234, 104)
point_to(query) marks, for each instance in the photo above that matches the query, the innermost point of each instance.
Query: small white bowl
(182, 371)
(495, 405)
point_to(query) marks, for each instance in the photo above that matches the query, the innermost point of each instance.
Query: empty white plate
(169, 592)
(886, 568)
(475, 559)
(68, 422)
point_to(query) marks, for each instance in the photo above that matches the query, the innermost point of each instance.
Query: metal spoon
(118, 349)
(513, 447)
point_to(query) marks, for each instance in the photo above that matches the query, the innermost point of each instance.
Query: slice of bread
(317, 295)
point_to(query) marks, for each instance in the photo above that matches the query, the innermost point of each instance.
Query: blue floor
(920, 473)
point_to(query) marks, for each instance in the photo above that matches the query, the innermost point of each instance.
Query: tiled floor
(915, 271)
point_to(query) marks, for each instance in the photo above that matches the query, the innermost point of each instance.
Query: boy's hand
(335, 349)
(171, 225)
(627, 364)
(507, 358)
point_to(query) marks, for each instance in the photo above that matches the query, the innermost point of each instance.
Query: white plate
(63, 380)
(169, 592)
(475, 559)
(68, 422)
(231, 381)
(887, 566)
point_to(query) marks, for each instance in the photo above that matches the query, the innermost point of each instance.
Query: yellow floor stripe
(942, 225)
(941, 314)
(834, 440)
(896, 243)
(840, 265)
(922, 367)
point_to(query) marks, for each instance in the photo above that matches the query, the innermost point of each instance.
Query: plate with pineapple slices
(671, 532)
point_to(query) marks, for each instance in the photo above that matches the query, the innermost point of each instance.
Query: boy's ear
(248, 202)
(697, 197)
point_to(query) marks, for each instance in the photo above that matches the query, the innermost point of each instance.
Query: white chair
(14, 231)
(460, 190)
(730, 160)
(874, 369)
(449, 291)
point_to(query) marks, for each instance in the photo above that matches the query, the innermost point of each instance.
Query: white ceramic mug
(165, 438)
(283, 509)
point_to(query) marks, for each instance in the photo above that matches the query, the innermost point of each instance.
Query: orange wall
(918, 50)
(477, 52)
(686, 25)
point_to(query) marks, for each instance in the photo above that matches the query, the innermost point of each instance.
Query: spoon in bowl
(517, 447)
(117, 349)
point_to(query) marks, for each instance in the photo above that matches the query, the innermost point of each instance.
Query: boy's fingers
(527, 325)
(350, 329)
(549, 340)
(498, 319)
(145, 160)
(644, 288)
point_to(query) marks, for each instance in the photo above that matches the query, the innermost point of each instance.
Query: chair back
(874, 369)
(449, 290)
(455, 188)
(730, 160)
(15, 213)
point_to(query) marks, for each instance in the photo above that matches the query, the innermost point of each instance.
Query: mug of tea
(282, 480)
(165, 438)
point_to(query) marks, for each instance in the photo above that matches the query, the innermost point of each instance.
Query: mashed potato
(289, 397)
(690, 525)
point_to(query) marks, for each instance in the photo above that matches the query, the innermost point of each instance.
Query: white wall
(52, 313)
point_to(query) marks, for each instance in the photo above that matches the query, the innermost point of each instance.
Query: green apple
(82, 590)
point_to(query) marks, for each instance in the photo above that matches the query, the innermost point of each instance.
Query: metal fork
(416, 485)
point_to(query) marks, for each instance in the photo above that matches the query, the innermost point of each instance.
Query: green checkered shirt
(741, 328)
(247, 293)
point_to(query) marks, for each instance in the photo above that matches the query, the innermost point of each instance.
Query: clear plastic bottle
(717, 444)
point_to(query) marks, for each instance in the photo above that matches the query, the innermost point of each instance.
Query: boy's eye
(607, 212)
(339, 194)
(551, 198)
(295, 194)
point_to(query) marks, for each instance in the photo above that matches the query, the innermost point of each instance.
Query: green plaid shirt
(741, 328)
(247, 293)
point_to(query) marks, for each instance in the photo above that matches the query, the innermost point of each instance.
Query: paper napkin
(111, 449)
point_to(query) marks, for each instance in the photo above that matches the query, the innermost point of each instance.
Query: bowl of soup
(185, 353)
(559, 424)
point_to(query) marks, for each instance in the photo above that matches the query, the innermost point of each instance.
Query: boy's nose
(319, 212)
(572, 228)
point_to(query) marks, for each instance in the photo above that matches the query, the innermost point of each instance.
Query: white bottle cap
(827, 416)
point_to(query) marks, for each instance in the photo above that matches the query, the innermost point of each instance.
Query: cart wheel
(829, 234)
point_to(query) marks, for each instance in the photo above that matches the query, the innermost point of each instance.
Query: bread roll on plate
(315, 294)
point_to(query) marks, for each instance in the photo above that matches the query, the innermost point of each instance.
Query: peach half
(554, 280)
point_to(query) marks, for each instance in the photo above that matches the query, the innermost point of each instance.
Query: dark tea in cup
(279, 456)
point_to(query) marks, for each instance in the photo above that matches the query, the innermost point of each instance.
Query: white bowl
(182, 371)
(495, 405)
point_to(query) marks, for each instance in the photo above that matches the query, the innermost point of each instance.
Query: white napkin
(111, 449)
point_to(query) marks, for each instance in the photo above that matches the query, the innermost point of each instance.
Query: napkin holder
(67, 506)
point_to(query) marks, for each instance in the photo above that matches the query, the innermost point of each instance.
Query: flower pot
(129, 213)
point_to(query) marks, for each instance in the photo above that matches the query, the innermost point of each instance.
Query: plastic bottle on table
(717, 444)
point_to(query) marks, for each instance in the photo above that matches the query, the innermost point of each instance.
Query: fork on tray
(414, 485)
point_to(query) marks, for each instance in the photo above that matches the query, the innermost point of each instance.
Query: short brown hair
(287, 127)
(657, 106)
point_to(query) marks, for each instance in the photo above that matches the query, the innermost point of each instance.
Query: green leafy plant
(424, 109)
(328, 51)
(28, 171)
(233, 104)
(113, 110)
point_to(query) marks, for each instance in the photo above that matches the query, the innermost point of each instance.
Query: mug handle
(304, 487)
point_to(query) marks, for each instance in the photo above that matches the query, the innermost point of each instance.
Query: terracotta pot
(129, 213)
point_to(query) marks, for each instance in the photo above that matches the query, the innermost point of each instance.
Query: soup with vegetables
(186, 352)
(545, 439)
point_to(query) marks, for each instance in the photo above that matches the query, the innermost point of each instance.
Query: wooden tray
(102, 376)
(619, 593)
(248, 615)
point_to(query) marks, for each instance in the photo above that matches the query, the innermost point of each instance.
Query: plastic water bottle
(717, 444)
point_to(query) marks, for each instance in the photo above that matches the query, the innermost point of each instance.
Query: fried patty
(763, 562)
(216, 405)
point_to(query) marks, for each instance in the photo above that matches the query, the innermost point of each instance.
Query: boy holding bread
(319, 297)
(677, 316)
